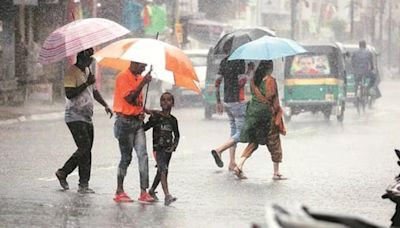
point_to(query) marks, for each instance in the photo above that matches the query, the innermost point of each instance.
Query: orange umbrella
(169, 62)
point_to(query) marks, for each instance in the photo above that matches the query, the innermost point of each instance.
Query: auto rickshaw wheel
(327, 113)
(340, 117)
(207, 112)
(287, 118)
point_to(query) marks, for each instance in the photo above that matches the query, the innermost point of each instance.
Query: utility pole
(352, 19)
(374, 6)
(381, 11)
(293, 18)
(258, 12)
(389, 44)
(97, 68)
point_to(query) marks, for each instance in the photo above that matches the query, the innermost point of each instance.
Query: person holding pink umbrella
(80, 93)
(78, 38)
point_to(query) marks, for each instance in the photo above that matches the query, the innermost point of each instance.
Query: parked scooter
(302, 217)
(393, 193)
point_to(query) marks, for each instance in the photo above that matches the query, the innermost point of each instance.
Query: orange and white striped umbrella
(169, 62)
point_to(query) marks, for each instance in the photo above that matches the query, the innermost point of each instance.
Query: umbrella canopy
(267, 48)
(169, 62)
(230, 41)
(77, 36)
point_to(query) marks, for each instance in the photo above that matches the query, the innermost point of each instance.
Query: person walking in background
(80, 92)
(234, 105)
(165, 141)
(263, 122)
(128, 128)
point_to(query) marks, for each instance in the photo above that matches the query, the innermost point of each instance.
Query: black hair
(168, 93)
(85, 54)
(265, 67)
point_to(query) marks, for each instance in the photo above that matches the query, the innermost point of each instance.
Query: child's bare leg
(164, 183)
(156, 181)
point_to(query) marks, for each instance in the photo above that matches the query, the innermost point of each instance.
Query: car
(187, 97)
(199, 60)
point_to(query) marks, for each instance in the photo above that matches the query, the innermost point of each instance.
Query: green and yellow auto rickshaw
(315, 81)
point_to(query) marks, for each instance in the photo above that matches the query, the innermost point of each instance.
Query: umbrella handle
(145, 98)
(147, 88)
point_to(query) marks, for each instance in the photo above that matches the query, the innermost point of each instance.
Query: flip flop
(279, 177)
(217, 159)
(122, 198)
(239, 173)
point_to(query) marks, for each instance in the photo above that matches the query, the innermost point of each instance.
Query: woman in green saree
(263, 122)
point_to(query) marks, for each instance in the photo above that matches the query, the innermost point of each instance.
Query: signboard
(26, 2)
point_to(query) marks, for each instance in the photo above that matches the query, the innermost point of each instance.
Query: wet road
(333, 167)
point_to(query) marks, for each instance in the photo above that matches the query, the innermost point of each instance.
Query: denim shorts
(163, 158)
(236, 113)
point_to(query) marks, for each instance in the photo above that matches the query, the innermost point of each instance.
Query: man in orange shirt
(128, 128)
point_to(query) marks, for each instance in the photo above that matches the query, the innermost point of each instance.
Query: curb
(34, 117)
(37, 117)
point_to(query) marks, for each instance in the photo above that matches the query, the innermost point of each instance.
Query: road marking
(302, 131)
(50, 179)
(380, 113)
(47, 179)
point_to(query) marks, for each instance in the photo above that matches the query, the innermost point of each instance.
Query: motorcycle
(393, 194)
(302, 217)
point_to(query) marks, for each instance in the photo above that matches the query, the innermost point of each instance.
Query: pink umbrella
(77, 36)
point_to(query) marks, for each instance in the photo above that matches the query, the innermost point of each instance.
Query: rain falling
(194, 113)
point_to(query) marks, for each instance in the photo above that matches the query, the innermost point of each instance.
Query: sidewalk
(37, 111)
(34, 111)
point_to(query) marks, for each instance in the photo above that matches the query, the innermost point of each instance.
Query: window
(310, 65)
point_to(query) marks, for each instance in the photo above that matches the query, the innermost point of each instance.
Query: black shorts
(163, 159)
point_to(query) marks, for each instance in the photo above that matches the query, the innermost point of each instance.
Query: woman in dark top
(165, 141)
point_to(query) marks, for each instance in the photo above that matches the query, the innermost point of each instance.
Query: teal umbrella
(267, 48)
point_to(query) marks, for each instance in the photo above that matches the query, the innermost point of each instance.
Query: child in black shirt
(165, 141)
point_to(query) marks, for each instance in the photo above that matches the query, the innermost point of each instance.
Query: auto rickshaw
(316, 81)
(350, 86)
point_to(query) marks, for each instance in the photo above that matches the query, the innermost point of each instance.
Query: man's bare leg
(232, 157)
(228, 144)
(217, 152)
